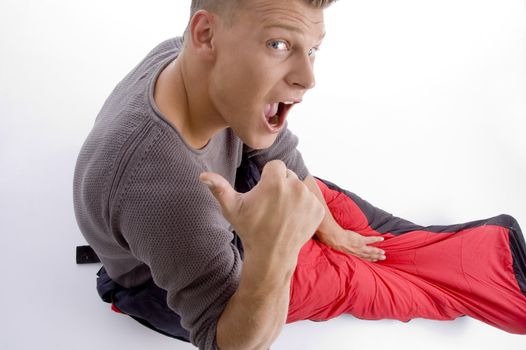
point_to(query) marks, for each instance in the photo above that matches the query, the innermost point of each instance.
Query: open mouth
(276, 113)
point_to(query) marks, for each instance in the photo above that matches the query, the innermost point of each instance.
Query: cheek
(243, 80)
(238, 86)
(226, 92)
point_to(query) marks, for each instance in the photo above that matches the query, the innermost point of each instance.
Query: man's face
(264, 63)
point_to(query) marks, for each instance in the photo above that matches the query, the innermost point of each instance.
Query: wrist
(262, 270)
(327, 231)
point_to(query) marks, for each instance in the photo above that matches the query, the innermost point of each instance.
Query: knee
(504, 220)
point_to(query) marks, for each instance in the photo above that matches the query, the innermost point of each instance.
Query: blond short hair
(226, 8)
(222, 6)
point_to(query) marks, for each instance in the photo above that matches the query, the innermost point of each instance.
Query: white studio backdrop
(420, 108)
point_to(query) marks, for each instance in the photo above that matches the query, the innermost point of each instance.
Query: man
(194, 114)
(228, 88)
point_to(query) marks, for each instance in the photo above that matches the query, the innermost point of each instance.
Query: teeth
(288, 102)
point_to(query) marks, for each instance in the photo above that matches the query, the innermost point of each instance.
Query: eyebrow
(289, 28)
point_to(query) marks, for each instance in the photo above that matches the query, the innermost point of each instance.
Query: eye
(279, 45)
(313, 51)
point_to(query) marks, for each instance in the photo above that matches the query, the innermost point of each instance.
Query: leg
(145, 303)
(437, 272)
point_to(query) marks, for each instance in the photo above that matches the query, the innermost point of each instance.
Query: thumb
(227, 197)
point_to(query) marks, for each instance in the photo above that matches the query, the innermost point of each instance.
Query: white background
(420, 109)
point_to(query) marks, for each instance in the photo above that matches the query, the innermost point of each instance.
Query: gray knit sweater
(140, 205)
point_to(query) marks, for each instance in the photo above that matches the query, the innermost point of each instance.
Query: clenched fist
(276, 217)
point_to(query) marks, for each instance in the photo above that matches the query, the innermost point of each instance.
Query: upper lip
(290, 100)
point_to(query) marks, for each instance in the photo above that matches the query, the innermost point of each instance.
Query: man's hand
(353, 243)
(277, 216)
(333, 235)
(273, 220)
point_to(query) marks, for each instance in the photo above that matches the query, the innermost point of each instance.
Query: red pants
(437, 272)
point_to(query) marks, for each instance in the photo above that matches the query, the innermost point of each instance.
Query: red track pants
(437, 272)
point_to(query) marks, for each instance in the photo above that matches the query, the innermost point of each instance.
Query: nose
(302, 73)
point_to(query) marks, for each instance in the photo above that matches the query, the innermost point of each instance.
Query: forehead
(293, 15)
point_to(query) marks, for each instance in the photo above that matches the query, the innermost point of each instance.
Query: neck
(181, 94)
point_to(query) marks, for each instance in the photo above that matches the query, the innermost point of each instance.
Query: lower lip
(273, 129)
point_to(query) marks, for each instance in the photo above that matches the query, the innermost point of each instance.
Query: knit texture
(139, 203)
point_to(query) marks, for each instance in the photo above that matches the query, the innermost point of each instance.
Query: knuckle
(275, 165)
(276, 189)
(296, 185)
(272, 171)
(276, 162)
(298, 190)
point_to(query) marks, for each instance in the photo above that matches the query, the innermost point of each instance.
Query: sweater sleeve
(285, 149)
(172, 223)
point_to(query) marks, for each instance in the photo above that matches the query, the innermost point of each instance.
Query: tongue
(271, 110)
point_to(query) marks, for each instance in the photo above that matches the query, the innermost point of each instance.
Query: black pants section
(145, 303)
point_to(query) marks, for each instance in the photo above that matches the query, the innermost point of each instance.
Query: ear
(202, 27)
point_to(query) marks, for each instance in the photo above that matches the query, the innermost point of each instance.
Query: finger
(365, 256)
(360, 254)
(372, 239)
(374, 257)
(374, 260)
(371, 259)
(274, 170)
(373, 251)
(291, 175)
(227, 197)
